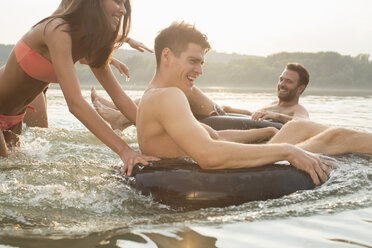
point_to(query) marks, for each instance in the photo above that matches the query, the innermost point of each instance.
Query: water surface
(62, 188)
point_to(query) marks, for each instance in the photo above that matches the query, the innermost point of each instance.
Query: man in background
(292, 83)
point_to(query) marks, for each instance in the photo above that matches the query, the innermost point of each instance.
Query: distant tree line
(327, 69)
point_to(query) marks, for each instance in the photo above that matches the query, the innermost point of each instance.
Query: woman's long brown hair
(99, 41)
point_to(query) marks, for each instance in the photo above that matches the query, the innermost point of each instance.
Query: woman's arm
(60, 48)
(138, 45)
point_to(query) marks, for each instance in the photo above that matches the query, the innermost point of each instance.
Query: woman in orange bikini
(89, 30)
(37, 116)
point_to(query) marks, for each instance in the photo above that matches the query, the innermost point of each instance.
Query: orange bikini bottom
(8, 121)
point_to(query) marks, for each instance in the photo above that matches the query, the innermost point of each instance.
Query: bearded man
(291, 84)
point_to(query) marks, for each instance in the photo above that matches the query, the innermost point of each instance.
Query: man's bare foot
(114, 117)
(95, 97)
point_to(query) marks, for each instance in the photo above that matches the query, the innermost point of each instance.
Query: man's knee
(336, 134)
(212, 133)
(305, 126)
(295, 124)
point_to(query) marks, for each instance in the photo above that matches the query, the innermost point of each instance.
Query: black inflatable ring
(185, 185)
(236, 121)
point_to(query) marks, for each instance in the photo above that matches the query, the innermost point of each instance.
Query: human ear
(301, 88)
(166, 55)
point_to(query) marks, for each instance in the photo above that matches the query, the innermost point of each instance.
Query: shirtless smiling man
(167, 128)
(180, 51)
(291, 84)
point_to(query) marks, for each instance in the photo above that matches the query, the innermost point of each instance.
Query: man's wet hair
(303, 74)
(177, 37)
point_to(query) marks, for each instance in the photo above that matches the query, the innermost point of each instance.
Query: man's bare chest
(286, 110)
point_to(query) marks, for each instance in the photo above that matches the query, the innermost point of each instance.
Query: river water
(62, 188)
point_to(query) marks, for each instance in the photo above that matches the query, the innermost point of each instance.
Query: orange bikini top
(33, 64)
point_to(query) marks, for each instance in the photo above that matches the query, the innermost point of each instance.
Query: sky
(252, 27)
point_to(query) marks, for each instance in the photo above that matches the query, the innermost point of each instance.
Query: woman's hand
(122, 68)
(130, 158)
(138, 45)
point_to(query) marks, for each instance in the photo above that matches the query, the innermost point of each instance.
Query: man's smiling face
(288, 88)
(188, 66)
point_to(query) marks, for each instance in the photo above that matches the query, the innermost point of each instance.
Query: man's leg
(252, 136)
(297, 131)
(338, 140)
(114, 117)
(318, 138)
(95, 97)
(242, 136)
(108, 111)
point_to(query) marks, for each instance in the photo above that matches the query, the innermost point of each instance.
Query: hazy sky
(254, 27)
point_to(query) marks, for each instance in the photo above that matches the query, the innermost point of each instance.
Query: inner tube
(184, 185)
(237, 121)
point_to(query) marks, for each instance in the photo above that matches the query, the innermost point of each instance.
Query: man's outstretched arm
(201, 104)
(232, 110)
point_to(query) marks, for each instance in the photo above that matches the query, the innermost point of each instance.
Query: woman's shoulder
(52, 25)
(54, 30)
(39, 35)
